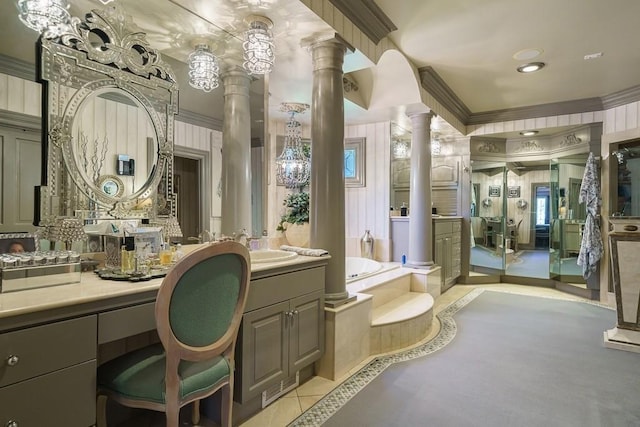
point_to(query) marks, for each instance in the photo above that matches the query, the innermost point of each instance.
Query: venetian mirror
(108, 110)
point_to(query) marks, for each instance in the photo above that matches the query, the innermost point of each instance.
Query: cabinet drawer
(442, 227)
(63, 398)
(272, 290)
(46, 348)
(126, 322)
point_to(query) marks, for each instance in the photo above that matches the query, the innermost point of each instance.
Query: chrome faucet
(240, 234)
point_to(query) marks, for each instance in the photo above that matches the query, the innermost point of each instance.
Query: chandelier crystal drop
(293, 166)
(259, 49)
(203, 69)
(44, 15)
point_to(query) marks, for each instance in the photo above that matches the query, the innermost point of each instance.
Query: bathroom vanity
(52, 339)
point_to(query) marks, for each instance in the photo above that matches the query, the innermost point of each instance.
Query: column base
(622, 339)
(333, 303)
(425, 265)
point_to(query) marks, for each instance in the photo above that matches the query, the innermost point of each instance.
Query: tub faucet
(240, 234)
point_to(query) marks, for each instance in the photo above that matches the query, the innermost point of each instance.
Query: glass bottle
(366, 245)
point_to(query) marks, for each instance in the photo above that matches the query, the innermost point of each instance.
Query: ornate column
(420, 224)
(236, 152)
(326, 213)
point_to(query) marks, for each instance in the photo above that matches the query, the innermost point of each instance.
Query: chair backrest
(201, 300)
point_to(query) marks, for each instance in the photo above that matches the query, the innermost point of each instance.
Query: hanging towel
(591, 247)
(304, 251)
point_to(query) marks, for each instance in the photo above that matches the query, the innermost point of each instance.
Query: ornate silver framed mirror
(109, 104)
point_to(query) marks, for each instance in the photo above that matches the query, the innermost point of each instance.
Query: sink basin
(271, 256)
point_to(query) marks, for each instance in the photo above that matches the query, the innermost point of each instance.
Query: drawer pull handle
(12, 361)
(11, 423)
(630, 228)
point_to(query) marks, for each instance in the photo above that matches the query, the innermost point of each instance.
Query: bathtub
(357, 268)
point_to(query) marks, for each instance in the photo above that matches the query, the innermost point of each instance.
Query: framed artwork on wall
(354, 162)
(494, 191)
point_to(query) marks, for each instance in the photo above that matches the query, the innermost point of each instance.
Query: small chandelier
(401, 149)
(44, 15)
(293, 166)
(259, 49)
(436, 147)
(203, 68)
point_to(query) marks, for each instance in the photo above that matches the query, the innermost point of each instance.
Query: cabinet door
(439, 257)
(447, 259)
(306, 332)
(265, 343)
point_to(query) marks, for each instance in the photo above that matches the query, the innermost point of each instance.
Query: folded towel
(304, 251)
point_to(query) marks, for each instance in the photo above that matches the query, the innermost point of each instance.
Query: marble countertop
(91, 288)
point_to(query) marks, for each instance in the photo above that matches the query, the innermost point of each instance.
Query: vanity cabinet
(47, 375)
(446, 249)
(282, 331)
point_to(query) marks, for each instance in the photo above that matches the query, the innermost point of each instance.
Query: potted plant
(295, 221)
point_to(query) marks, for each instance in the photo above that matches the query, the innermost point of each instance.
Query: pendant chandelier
(203, 68)
(293, 166)
(401, 149)
(259, 49)
(44, 15)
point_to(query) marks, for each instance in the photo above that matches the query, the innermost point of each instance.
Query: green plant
(297, 209)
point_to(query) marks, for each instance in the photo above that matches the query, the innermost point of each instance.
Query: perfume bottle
(166, 256)
(127, 260)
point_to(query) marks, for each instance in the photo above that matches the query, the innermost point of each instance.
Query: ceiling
(468, 43)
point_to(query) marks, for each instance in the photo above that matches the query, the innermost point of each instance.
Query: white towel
(304, 251)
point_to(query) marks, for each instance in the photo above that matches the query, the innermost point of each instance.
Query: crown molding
(17, 68)
(367, 16)
(625, 96)
(433, 83)
(198, 119)
(533, 111)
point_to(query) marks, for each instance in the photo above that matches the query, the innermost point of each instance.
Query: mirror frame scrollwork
(103, 51)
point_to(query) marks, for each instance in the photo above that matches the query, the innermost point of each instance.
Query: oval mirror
(114, 143)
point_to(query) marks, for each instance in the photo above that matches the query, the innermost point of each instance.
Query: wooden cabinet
(446, 249)
(48, 374)
(282, 331)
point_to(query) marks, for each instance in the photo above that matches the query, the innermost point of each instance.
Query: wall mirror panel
(108, 122)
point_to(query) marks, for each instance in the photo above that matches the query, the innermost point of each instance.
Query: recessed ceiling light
(531, 67)
(527, 54)
(529, 132)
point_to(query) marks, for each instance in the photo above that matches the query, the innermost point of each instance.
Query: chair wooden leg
(227, 402)
(172, 414)
(101, 411)
(195, 413)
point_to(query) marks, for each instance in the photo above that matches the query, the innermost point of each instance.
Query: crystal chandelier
(259, 50)
(203, 68)
(436, 148)
(293, 166)
(401, 149)
(44, 15)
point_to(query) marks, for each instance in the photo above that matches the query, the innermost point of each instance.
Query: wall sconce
(203, 68)
(259, 49)
(44, 15)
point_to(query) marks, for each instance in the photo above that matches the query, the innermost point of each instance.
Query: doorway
(186, 185)
(541, 213)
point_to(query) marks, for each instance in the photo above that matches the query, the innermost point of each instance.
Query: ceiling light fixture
(259, 49)
(203, 68)
(531, 67)
(401, 149)
(293, 165)
(44, 15)
(529, 132)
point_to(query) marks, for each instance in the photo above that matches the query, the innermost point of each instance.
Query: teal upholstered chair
(198, 312)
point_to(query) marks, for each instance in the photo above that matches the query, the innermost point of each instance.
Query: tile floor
(289, 407)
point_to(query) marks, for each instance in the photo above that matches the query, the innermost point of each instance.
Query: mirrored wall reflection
(488, 237)
(568, 217)
(627, 158)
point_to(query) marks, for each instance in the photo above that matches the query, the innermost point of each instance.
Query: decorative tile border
(338, 397)
(329, 404)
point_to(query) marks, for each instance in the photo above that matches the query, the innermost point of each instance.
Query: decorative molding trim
(349, 84)
(625, 96)
(367, 16)
(17, 68)
(533, 111)
(433, 83)
(198, 119)
(488, 147)
(529, 147)
(570, 140)
(20, 121)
